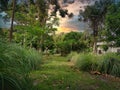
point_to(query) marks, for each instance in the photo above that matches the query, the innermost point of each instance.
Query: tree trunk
(12, 20)
(42, 12)
(41, 43)
(95, 34)
(42, 17)
(95, 45)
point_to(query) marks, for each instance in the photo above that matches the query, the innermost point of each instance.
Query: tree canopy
(113, 24)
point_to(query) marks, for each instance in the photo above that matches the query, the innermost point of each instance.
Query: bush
(106, 64)
(71, 55)
(87, 62)
(110, 64)
(64, 48)
(105, 47)
(16, 63)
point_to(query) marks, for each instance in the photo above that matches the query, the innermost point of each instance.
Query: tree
(12, 20)
(29, 30)
(112, 24)
(92, 14)
(3, 5)
(95, 14)
(73, 41)
(42, 11)
(76, 41)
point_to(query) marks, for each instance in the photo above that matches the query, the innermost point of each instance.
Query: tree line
(34, 31)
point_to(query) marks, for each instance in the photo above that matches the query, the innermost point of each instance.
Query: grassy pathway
(57, 74)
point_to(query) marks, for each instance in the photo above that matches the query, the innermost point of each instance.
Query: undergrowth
(16, 63)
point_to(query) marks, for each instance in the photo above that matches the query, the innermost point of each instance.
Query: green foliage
(33, 36)
(112, 24)
(3, 4)
(95, 16)
(78, 41)
(87, 62)
(57, 74)
(106, 64)
(73, 41)
(1, 33)
(110, 64)
(73, 36)
(73, 57)
(31, 32)
(97, 11)
(105, 47)
(64, 47)
(15, 65)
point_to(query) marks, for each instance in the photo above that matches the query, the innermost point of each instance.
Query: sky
(73, 24)
(65, 24)
(3, 23)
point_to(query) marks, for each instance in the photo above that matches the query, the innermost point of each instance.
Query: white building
(111, 47)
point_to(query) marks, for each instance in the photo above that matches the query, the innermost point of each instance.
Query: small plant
(110, 64)
(86, 62)
(71, 55)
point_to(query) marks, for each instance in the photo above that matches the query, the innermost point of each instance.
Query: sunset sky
(72, 24)
(67, 24)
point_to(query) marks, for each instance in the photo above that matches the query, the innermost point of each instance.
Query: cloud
(74, 23)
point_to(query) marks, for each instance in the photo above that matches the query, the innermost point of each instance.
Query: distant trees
(72, 41)
(31, 17)
(76, 41)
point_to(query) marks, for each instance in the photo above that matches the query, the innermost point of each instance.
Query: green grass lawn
(58, 74)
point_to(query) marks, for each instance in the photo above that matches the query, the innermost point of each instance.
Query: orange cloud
(65, 30)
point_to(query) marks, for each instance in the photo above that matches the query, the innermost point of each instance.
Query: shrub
(16, 63)
(105, 47)
(106, 64)
(87, 62)
(110, 64)
(74, 58)
(71, 55)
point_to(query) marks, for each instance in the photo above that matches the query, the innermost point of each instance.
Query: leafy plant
(16, 63)
(87, 62)
(110, 64)
(105, 47)
(73, 57)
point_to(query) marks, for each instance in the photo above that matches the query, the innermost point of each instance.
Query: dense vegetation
(34, 57)
(16, 63)
(105, 64)
(113, 30)
(59, 74)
